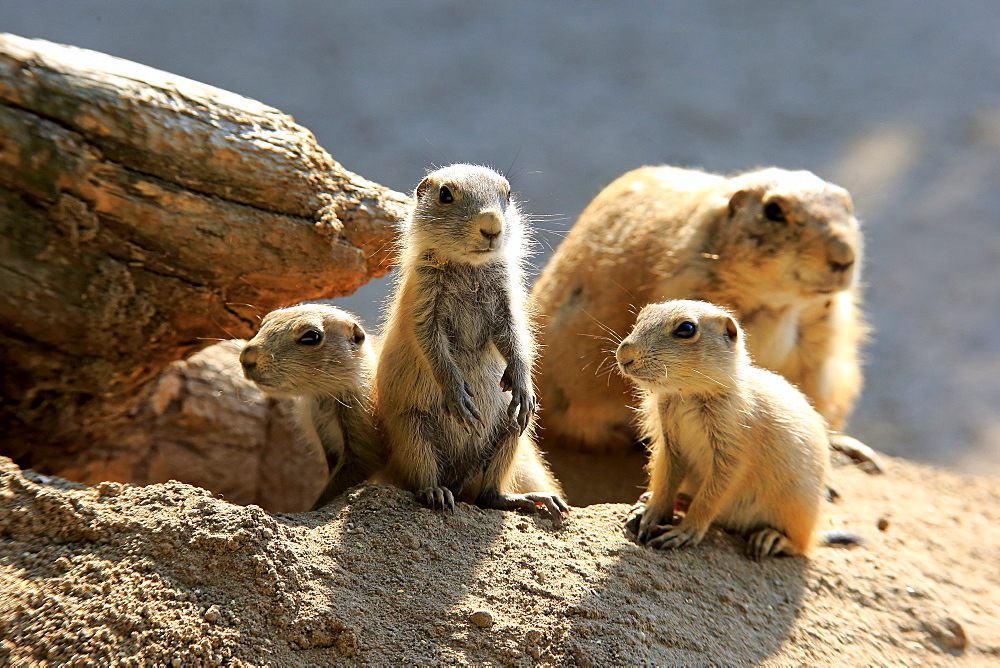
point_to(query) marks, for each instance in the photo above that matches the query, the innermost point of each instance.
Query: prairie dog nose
(249, 356)
(840, 267)
(840, 254)
(490, 224)
(625, 355)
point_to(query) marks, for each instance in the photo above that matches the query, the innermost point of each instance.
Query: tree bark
(143, 215)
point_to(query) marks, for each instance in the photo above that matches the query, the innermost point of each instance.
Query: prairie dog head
(464, 213)
(683, 346)
(310, 349)
(788, 235)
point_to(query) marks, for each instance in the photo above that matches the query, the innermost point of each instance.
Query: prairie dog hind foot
(862, 454)
(768, 543)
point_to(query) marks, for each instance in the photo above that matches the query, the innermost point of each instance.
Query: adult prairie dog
(744, 443)
(781, 249)
(456, 338)
(321, 356)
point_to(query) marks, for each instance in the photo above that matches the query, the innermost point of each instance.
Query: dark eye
(686, 330)
(359, 335)
(772, 211)
(311, 338)
(445, 196)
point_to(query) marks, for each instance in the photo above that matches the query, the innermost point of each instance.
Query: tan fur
(331, 381)
(741, 440)
(661, 233)
(456, 338)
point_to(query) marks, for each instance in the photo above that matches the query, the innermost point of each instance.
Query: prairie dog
(320, 356)
(456, 338)
(743, 441)
(781, 249)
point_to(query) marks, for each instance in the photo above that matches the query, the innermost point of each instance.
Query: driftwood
(142, 215)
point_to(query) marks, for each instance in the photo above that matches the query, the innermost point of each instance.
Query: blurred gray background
(898, 101)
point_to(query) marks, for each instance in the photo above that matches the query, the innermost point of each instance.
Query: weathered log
(142, 215)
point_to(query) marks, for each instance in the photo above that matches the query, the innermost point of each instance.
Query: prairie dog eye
(311, 338)
(445, 196)
(686, 330)
(774, 212)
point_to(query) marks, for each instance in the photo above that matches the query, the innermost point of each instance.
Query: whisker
(243, 304)
(548, 245)
(507, 172)
(604, 327)
(601, 338)
(231, 335)
(434, 166)
(623, 288)
(605, 366)
(705, 375)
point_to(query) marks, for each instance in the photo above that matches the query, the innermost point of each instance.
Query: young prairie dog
(456, 339)
(320, 356)
(741, 440)
(781, 249)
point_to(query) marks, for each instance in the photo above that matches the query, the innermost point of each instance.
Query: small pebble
(108, 488)
(949, 635)
(212, 614)
(883, 523)
(482, 618)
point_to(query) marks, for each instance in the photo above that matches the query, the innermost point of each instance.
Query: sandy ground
(168, 574)
(894, 101)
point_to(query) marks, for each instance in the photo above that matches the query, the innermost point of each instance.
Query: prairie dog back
(743, 440)
(321, 356)
(456, 339)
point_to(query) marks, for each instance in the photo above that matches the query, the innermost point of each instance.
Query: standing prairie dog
(781, 249)
(320, 356)
(746, 444)
(456, 338)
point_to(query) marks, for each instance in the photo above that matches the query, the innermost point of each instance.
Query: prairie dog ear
(423, 186)
(739, 199)
(732, 329)
(358, 334)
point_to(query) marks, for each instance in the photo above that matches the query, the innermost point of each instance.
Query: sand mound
(169, 574)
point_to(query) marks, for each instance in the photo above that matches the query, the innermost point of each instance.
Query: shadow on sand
(704, 605)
